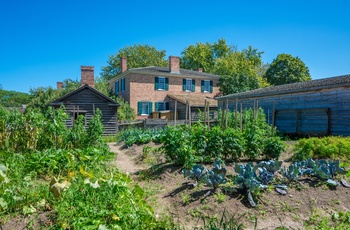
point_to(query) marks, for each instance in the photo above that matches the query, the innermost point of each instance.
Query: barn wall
(312, 112)
(86, 102)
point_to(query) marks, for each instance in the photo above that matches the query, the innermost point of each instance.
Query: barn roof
(60, 100)
(324, 83)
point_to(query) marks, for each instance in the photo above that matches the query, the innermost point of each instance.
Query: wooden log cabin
(312, 108)
(85, 100)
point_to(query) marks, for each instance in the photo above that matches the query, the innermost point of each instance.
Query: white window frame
(206, 86)
(145, 107)
(188, 85)
(161, 83)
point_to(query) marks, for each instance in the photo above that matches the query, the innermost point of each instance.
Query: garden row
(250, 178)
(65, 174)
(186, 145)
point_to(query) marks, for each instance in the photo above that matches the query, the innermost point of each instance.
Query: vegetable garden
(63, 174)
(66, 174)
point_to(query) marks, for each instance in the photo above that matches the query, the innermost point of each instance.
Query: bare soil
(169, 194)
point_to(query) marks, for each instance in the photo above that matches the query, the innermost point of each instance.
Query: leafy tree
(204, 55)
(13, 98)
(125, 112)
(137, 55)
(42, 96)
(287, 69)
(236, 74)
(238, 70)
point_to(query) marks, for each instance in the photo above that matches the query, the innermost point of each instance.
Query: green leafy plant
(247, 180)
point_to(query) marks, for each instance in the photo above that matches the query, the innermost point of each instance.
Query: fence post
(273, 117)
(222, 114)
(241, 118)
(175, 113)
(236, 113)
(226, 118)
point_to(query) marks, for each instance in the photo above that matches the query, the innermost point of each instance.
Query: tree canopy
(238, 70)
(287, 69)
(137, 56)
(13, 98)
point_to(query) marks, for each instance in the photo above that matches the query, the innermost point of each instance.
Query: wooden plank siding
(85, 101)
(317, 110)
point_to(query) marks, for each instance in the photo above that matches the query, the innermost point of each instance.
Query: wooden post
(257, 109)
(208, 114)
(273, 117)
(205, 112)
(222, 114)
(175, 113)
(241, 119)
(226, 118)
(189, 113)
(236, 114)
(254, 111)
(186, 117)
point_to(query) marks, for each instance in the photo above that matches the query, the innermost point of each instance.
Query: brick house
(154, 91)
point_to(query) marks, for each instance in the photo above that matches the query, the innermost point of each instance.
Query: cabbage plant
(247, 179)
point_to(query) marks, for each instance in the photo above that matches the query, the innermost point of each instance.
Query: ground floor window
(144, 108)
(162, 105)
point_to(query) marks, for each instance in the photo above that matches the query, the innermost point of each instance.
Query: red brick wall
(141, 88)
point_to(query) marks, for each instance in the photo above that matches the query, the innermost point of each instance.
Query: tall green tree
(204, 55)
(13, 98)
(137, 56)
(42, 96)
(287, 69)
(238, 70)
(236, 74)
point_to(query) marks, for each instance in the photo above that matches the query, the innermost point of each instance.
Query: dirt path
(125, 159)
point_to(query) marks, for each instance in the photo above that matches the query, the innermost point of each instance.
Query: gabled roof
(324, 83)
(60, 100)
(164, 71)
(195, 100)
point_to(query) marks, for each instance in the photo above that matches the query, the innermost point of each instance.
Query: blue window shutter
(149, 107)
(157, 106)
(156, 83)
(193, 85)
(116, 87)
(202, 86)
(139, 108)
(166, 83)
(184, 84)
(122, 85)
(167, 105)
(211, 86)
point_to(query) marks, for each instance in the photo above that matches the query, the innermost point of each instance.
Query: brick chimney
(174, 64)
(87, 76)
(59, 85)
(200, 70)
(123, 64)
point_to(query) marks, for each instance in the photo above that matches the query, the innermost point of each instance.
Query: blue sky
(43, 42)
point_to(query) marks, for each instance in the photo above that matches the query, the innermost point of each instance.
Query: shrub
(273, 146)
(327, 147)
(233, 144)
